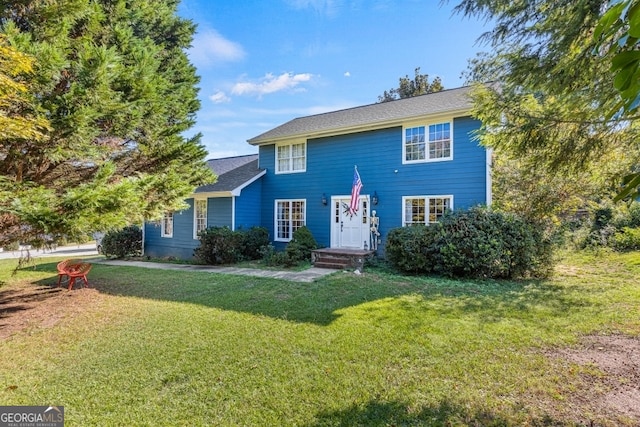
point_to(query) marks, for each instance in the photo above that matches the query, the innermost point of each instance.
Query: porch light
(374, 198)
(324, 199)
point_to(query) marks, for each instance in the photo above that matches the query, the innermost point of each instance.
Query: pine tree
(113, 80)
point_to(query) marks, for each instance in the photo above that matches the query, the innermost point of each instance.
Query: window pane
(414, 211)
(297, 215)
(298, 157)
(284, 158)
(289, 217)
(201, 215)
(282, 220)
(437, 208)
(415, 143)
(167, 224)
(365, 214)
(439, 141)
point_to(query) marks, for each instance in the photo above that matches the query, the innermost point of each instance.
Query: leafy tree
(549, 105)
(618, 37)
(115, 85)
(521, 187)
(408, 88)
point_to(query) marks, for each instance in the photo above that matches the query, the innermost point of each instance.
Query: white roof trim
(236, 191)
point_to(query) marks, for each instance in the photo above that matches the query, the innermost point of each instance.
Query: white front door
(349, 231)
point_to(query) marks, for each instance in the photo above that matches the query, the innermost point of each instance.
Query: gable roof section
(379, 115)
(226, 164)
(234, 173)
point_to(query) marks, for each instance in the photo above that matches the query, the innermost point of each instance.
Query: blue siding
(181, 245)
(378, 155)
(219, 214)
(248, 206)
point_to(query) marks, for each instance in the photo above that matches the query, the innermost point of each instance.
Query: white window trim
(426, 198)
(195, 215)
(426, 131)
(275, 218)
(290, 144)
(163, 232)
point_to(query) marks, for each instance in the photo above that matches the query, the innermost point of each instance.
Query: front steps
(338, 259)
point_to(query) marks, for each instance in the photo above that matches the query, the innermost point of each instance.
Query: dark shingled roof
(384, 113)
(233, 172)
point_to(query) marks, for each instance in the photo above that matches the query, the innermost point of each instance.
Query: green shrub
(411, 249)
(301, 245)
(123, 243)
(255, 239)
(297, 250)
(478, 243)
(609, 226)
(483, 243)
(274, 258)
(219, 245)
(627, 240)
(634, 215)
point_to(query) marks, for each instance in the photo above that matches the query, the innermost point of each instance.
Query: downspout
(233, 213)
(143, 235)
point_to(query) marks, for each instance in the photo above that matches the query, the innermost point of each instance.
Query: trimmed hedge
(477, 242)
(123, 243)
(221, 245)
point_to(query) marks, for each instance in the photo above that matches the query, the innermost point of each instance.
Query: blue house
(231, 202)
(416, 158)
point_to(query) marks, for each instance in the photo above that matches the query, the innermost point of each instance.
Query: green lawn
(173, 348)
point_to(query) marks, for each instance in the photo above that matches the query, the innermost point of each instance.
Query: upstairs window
(428, 143)
(166, 229)
(291, 158)
(425, 210)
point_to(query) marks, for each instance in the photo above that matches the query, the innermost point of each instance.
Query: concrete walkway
(308, 275)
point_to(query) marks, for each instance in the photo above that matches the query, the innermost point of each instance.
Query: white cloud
(270, 84)
(347, 74)
(210, 48)
(220, 97)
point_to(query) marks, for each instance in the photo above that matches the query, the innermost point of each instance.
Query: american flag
(355, 192)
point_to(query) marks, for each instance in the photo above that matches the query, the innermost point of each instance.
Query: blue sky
(263, 63)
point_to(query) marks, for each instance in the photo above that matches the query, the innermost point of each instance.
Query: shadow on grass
(320, 302)
(13, 301)
(383, 414)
